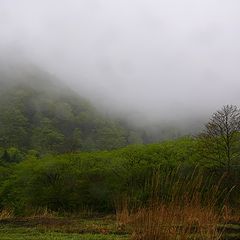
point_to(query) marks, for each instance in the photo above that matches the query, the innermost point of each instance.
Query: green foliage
(13, 127)
(11, 155)
(219, 142)
(43, 119)
(71, 182)
(46, 137)
(26, 233)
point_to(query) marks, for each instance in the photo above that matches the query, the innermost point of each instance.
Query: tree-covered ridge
(47, 117)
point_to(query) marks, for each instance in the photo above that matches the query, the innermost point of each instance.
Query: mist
(152, 61)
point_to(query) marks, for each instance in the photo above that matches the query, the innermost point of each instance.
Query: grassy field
(23, 233)
(56, 228)
(60, 229)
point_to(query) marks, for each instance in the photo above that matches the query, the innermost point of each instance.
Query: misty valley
(119, 120)
(71, 171)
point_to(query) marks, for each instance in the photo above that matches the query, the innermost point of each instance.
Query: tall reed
(180, 206)
(6, 214)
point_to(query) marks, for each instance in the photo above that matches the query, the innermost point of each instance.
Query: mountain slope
(38, 112)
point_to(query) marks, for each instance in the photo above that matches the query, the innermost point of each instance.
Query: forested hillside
(38, 112)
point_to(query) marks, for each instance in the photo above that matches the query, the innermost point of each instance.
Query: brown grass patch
(179, 208)
(6, 214)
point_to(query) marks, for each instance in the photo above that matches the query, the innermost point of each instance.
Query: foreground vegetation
(149, 197)
(72, 182)
(48, 227)
(9, 233)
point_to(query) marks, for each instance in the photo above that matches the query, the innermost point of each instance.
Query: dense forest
(44, 115)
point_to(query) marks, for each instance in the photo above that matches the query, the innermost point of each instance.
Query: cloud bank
(159, 59)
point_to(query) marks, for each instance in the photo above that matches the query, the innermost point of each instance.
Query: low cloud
(163, 60)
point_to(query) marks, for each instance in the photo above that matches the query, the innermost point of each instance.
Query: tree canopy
(220, 139)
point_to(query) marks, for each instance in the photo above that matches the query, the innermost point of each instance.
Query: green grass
(59, 228)
(25, 233)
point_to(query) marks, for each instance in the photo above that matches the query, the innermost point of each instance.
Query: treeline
(72, 182)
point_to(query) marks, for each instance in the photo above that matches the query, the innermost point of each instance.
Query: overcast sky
(167, 59)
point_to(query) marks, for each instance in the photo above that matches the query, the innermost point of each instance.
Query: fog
(155, 60)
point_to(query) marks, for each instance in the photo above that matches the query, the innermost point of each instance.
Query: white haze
(159, 59)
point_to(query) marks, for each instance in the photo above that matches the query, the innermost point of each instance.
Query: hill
(39, 112)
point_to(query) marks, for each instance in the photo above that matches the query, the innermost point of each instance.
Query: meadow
(84, 228)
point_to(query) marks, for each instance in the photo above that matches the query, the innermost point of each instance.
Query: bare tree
(220, 139)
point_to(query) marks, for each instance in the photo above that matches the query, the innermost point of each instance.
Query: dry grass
(230, 215)
(6, 214)
(178, 209)
(122, 211)
(44, 213)
(167, 222)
